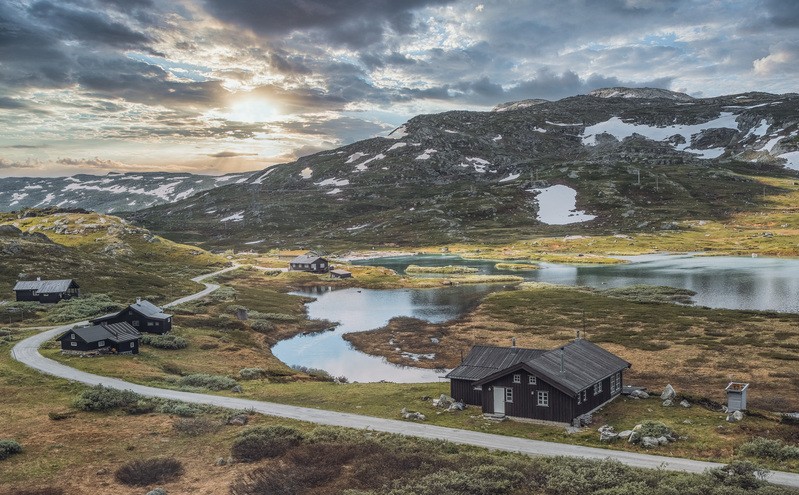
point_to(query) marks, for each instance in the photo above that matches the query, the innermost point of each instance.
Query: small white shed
(736, 396)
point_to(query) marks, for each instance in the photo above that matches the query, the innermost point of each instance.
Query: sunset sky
(214, 86)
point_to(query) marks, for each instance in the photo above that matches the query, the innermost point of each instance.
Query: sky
(218, 86)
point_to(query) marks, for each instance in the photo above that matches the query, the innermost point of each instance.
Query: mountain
(618, 160)
(106, 193)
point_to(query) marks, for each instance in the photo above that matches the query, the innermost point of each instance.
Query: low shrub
(742, 474)
(172, 342)
(314, 372)
(273, 316)
(171, 368)
(251, 373)
(4, 332)
(100, 398)
(765, 448)
(262, 442)
(149, 471)
(140, 407)
(654, 429)
(9, 448)
(211, 382)
(178, 409)
(60, 415)
(195, 426)
(83, 307)
(262, 326)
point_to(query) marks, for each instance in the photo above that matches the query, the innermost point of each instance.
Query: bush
(140, 407)
(769, 449)
(789, 419)
(148, 471)
(178, 409)
(9, 448)
(272, 316)
(314, 372)
(84, 307)
(262, 326)
(164, 341)
(171, 368)
(195, 426)
(742, 474)
(251, 373)
(4, 332)
(60, 415)
(261, 442)
(100, 398)
(654, 429)
(211, 382)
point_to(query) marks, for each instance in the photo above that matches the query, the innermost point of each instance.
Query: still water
(721, 282)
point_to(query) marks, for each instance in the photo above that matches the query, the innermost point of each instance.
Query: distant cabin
(46, 291)
(557, 385)
(142, 315)
(340, 274)
(116, 338)
(309, 263)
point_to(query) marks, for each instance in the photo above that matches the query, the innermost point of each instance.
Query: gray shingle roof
(113, 332)
(149, 310)
(307, 258)
(483, 361)
(584, 364)
(46, 286)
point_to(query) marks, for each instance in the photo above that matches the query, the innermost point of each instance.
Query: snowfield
(557, 206)
(236, 217)
(306, 173)
(426, 154)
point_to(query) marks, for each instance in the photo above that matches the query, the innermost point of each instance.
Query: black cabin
(340, 274)
(142, 315)
(46, 291)
(309, 262)
(116, 338)
(556, 385)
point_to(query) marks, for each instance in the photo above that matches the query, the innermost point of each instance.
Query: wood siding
(26, 295)
(464, 390)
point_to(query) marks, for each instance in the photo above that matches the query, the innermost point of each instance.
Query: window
(532, 380)
(585, 395)
(517, 378)
(101, 343)
(149, 323)
(579, 398)
(508, 394)
(135, 323)
(74, 344)
(597, 388)
(543, 398)
(72, 336)
(615, 383)
(132, 345)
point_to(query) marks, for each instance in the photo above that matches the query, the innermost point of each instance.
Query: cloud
(27, 146)
(353, 23)
(10, 164)
(12, 103)
(93, 163)
(230, 154)
(783, 58)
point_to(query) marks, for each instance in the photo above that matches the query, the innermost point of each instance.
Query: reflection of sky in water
(721, 282)
(358, 310)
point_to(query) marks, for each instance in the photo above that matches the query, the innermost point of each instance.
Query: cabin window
(132, 345)
(532, 380)
(508, 394)
(150, 323)
(585, 395)
(543, 398)
(579, 398)
(478, 389)
(74, 344)
(597, 388)
(135, 323)
(72, 336)
(517, 378)
(101, 343)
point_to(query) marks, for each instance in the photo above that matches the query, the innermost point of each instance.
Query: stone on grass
(649, 442)
(625, 433)
(238, 420)
(668, 393)
(668, 403)
(639, 394)
(157, 491)
(663, 440)
(685, 403)
(735, 417)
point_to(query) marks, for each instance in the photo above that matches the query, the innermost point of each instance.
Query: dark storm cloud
(7, 103)
(354, 23)
(87, 26)
(783, 13)
(230, 154)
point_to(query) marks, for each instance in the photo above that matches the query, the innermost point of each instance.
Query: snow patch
(793, 159)
(255, 242)
(263, 176)
(556, 206)
(561, 124)
(361, 167)
(510, 178)
(47, 199)
(426, 154)
(498, 137)
(306, 173)
(355, 157)
(333, 182)
(451, 132)
(32, 186)
(397, 146)
(358, 227)
(226, 178)
(334, 191)
(236, 217)
(398, 133)
(185, 194)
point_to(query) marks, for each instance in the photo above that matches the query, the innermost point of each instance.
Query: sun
(252, 110)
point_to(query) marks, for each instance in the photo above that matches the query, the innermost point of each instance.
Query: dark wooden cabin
(46, 291)
(340, 274)
(557, 385)
(142, 315)
(117, 338)
(309, 262)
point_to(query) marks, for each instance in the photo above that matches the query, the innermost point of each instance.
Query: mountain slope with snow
(109, 193)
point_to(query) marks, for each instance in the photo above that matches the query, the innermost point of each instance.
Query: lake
(721, 282)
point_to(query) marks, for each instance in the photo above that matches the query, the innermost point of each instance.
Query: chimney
(38, 279)
(513, 342)
(138, 300)
(578, 335)
(561, 359)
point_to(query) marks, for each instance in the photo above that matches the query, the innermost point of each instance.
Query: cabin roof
(484, 360)
(115, 332)
(149, 310)
(307, 258)
(46, 286)
(583, 364)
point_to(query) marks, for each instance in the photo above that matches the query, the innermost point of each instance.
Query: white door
(499, 400)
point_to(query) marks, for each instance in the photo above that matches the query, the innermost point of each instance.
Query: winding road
(27, 352)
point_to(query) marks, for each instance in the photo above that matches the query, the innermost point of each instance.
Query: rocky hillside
(619, 160)
(105, 193)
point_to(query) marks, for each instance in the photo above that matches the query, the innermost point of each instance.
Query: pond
(721, 282)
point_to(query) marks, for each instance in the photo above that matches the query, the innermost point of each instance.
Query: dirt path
(27, 352)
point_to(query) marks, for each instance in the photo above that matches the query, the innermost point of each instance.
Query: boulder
(625, 433)
(457, 406)
(649, 442)
(238, 420)
(607, 433)
(735, 417)
(685, 403)
(668, 403)
(639, 394)
(157, 491)
(663, 440)
(668, 393)
(236, 389)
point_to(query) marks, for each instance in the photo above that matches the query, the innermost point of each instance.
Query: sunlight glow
(252, 110)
